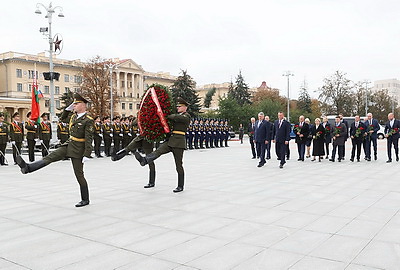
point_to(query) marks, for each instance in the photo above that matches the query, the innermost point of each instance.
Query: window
(29, 87)
(66, 78)
(46, 89)
(123, 94)
(58, 104)
(137, 96)
(19, 73)
(66, 90)
(130, 106)
(130, 95)
(137, 106)
(123, 106)
(57, 90)
(77, 89)
(77, 79)
(130, 84)
(19, 87)
(122, 83)
(47, 103)
(31, 74)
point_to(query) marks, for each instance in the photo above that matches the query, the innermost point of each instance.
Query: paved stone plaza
(232, 215)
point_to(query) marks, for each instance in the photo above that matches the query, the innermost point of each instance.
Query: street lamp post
(111, 67)
(366, 96)
(50, 10)
(288, 74)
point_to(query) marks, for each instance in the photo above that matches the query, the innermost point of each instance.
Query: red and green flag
(35, 108)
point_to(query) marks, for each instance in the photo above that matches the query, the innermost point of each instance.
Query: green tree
(304, 100)
(184, 87)
(66, 99)
(208, 98)
(382, 104)
(240, 91)
(236, 114)
(336, 94)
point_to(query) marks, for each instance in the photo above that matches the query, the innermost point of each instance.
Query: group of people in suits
(363, 134)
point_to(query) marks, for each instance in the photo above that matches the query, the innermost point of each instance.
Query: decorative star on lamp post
(57, 43)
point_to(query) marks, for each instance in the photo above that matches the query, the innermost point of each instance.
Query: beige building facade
(17, 71)
(392, 85)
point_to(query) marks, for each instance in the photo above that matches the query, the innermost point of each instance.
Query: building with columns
(392, 85)
(17, 72)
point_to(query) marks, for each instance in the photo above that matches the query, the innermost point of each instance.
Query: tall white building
(392, 85)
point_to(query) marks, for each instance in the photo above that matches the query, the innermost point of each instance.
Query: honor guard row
(207, 133)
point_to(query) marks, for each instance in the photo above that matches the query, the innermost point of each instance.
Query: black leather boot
(146, 159)
(152, 179)
(119, 155)
(30, 167)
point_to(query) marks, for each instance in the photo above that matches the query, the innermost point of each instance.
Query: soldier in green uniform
(117, 134)
(78, 147)
(16, 136)
(175, 144)
(139, 143)
(97, 137)
(3, 140)
(31, 136)
(45, 134)
(62, 131)
(107, 135)
(126, 132)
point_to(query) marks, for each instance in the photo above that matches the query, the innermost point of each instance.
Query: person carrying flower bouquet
(339, 132)
(318, 137)
(175, 144)
(357, 132)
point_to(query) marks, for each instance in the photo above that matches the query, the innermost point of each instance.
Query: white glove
(129, 134)
(121, 135)
(85, 159)
(70, 107)
(35, 126)
(111, 135)
(40, 141)
(101, 135)
(13, 142)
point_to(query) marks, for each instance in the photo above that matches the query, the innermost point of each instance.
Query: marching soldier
(107, 135)
(78, 147)
(45, 134)
(16, 135)
(134, 128)
(175, 143)
(97, 136)
(117, 134)
(139, 143)
(31, 136)
(3, 140)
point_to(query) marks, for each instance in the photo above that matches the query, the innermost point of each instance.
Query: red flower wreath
(149, 120)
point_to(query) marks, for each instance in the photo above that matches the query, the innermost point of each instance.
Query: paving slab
(231, 215)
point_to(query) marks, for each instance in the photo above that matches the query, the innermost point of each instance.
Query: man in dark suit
(357, 131)
(250, 131)
(339, 133)
(281, 137)
(372, 127)
(343, 121)
(302, 130)
(392, 129)
(268, 146)
(262, 137)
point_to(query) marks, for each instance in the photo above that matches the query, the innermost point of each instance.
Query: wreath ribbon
(160, 113)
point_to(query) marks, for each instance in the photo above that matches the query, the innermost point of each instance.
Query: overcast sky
(213, 40)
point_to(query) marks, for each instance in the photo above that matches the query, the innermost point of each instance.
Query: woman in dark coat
(241, 133)
(318, 135)
(328, 135)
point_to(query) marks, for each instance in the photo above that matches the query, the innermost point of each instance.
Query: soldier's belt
(45, 131)
(66, 133)
(32, 131)
(179, 132)
(3, 133)
(77, 139)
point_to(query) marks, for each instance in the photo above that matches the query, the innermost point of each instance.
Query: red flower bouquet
(154, 109)
(393, 131)
(358, 132)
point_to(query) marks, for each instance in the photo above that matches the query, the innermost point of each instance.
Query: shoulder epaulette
(88, 116)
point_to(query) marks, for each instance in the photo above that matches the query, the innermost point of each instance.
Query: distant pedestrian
(241, 133)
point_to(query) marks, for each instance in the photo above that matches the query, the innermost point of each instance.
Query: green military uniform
(107, 136)
(16, 136)
(117, 135)
(79, 145)
(45, 136)
(175, 144)
(97, 136)
(62, 131)
(127, 135)
(31, 135)
(3, 141)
